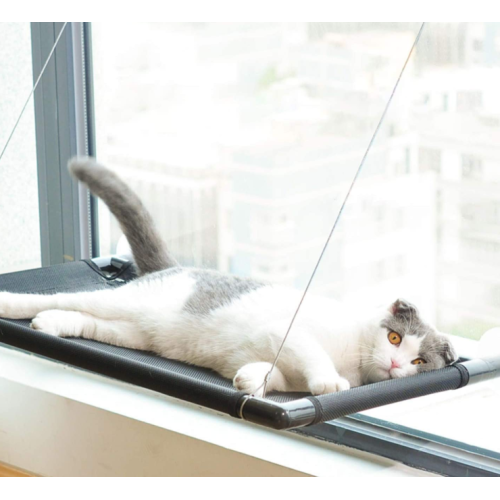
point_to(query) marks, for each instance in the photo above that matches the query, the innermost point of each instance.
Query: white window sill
(56, 420)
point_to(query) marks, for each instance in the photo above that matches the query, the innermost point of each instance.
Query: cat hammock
(198, 385)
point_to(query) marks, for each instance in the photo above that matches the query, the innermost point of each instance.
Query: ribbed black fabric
(331, 406)
(180, 380)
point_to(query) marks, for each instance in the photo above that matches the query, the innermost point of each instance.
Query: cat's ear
(402, 308)
(446, 349)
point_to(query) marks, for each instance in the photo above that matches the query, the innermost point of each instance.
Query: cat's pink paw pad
(327, 385)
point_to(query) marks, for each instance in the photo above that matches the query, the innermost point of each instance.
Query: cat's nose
(395, 364)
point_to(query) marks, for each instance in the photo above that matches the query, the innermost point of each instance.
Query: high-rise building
(458, 126)
(287, 188)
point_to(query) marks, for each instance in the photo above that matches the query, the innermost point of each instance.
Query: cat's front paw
(326, 385)
(58, 323)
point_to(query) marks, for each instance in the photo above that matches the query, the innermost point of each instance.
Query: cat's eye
(394, 338)
(418, 361)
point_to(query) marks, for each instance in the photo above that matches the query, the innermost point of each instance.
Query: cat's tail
(149, 250)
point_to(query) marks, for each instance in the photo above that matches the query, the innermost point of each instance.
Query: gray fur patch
(405, 319)
(214, 290)
(437, 351)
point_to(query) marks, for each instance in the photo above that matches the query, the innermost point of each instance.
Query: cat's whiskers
(367, 376)
(373, 362)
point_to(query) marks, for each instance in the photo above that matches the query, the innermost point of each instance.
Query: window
(468, 101)
(242, 140)
(446, 102)
(275, 136)
(49, 214)
(472, 167)
(19, 187)
(430, 160)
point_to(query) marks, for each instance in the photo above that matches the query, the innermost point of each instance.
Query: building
(184, 198)
(458, 125)
(288, 185)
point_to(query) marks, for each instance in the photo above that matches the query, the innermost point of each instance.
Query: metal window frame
(64, 127)
(410, 447)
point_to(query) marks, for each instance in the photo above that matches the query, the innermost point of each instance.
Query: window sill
(63, 421)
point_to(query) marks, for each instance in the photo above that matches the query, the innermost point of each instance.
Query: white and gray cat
(232, 325)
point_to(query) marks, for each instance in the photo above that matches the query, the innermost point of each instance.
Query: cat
(231, 324)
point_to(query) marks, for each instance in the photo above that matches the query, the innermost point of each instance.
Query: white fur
(330, 347)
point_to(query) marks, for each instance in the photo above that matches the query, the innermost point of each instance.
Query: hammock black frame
(198, 385)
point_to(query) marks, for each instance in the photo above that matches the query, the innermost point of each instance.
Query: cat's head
(402, 344)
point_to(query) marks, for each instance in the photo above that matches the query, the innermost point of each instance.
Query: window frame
(408, 446)
(68, 215)
(69, 231)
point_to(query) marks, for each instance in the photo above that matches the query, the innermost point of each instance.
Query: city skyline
(285, 130)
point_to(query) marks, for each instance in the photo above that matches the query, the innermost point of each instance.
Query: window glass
(453, 112)
(242, 139)
(19, 220)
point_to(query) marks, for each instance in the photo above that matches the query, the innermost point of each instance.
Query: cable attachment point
(243, 403)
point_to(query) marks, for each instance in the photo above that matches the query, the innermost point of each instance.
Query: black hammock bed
(198, 385)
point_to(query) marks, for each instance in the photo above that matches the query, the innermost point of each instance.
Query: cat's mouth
(390, 373)
(381, 373)
(395, 373)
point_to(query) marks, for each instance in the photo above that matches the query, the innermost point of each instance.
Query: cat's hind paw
(250, 379)
(325, 385)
